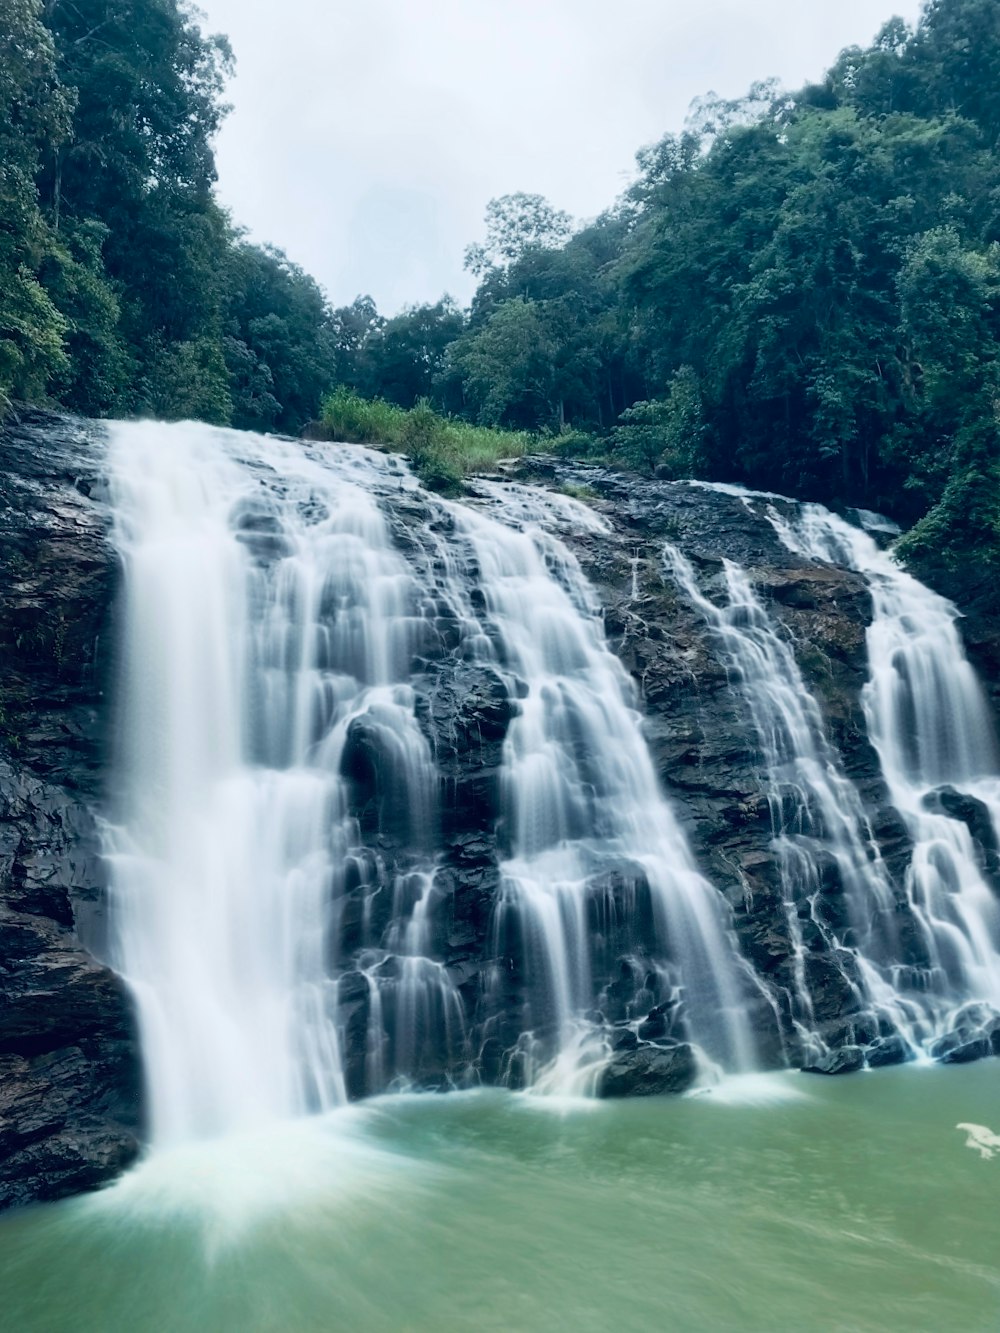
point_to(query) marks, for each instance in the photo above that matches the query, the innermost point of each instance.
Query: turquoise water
(780, 1203)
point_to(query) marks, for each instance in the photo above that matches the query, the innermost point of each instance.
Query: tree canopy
(800, 291)
(123, 286)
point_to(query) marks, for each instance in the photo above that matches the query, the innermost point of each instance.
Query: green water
(794, 1204)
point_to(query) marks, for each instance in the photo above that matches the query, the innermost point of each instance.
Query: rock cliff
(70, 1099)
(71, 1110)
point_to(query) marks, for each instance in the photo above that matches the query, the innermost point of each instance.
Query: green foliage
(31, 337)
(188, 381)
(571, 443)
(251, 386)
(34, 120)
(431, 448)
(585, 493)
(516, 224)
(665, 433)
(441, 449)
(348, 416)
(280, 315)
(640, 439)
(801, 291)
(507, 367)
(964, 523)
(404, 358)
(123, 286)
(98, 368)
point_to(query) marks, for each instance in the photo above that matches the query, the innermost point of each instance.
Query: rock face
(70, 1086)
(70, 1082)
(648, 1071)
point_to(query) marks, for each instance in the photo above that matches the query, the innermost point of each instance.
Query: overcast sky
(368, 135)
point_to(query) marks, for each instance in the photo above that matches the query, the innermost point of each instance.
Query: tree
(949, 444)
(508, 368)
(282, 318)
(146, 87)
(189, 381)
(955, 53)
(99, 367)
(665, 433)
(403, 359)
(353, 329)
(516, 223)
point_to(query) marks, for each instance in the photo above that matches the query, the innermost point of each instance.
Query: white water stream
(265, 611)
(278, 828)
(270, 625)
(581, 795)
(930, 725)
(817, 816)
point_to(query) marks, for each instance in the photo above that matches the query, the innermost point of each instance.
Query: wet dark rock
(649, 1071)
(963, 1053)
(831, 985)
(658, 1022)
(70, 1083)
(975, 815)
(890, 1050)
(846, 1060)
(975, 1035)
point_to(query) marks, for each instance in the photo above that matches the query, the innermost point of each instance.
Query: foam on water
(225, 1188)
(755, 1089)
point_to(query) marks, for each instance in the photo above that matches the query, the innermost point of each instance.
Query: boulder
(846, 1060)
(649, 1071)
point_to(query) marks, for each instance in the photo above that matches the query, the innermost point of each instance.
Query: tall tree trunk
(56, 189)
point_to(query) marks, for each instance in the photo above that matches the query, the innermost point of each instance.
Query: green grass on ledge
(442, 450)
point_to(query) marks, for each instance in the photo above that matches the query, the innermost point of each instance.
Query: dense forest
(801, 291)
(124, 287)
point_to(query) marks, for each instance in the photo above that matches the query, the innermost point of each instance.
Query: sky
(367, 136)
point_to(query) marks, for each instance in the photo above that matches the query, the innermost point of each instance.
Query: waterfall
(320, 889)
(292, 616)
(582, 801)
(266, 614)
(930, 725)
(821, 835)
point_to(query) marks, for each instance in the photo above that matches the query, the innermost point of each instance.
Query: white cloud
(368, 135)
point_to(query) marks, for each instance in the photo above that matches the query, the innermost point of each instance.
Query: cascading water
(277, 849)
(319, 891)
(821, 831)
(582, 802)
(930, 725)
(266, 614)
